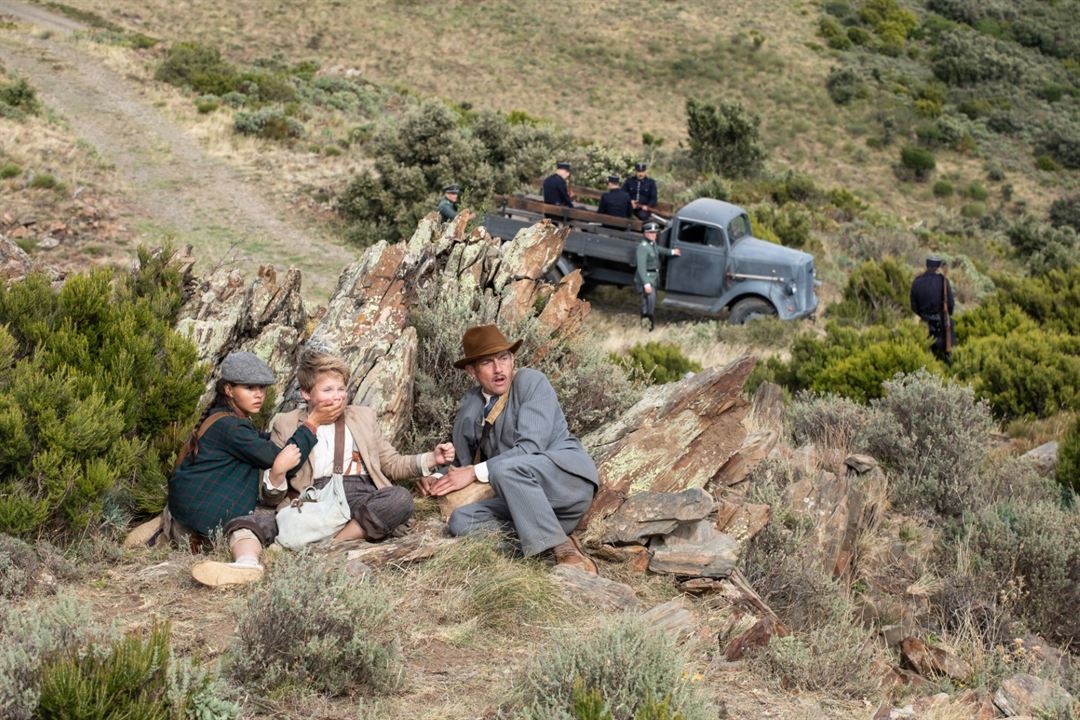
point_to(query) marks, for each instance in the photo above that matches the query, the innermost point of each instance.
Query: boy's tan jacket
(383, 462)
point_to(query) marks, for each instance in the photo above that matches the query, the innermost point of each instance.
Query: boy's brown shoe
(144, 535)
(570, 553)
(215, 574)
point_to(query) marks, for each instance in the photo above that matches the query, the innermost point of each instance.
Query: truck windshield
(738, 228)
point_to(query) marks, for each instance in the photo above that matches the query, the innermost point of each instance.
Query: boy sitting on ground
(377, 507)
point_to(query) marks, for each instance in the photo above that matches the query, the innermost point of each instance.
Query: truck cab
(722, 265)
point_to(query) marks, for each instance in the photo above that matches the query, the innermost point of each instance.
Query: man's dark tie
(490, 404)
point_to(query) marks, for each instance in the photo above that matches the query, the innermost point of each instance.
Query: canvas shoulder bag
(319, 513)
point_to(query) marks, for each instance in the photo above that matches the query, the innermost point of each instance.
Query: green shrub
(33, 634)
(712, 186)
(624, 664)
(207, 104)
(918, 160)
(834, 34)
(656, 363)
(1023, 373)
(9, 170)
(128, 679)
(943, 189)
(427, 149)
(1047, 301)
(724, 138)
(1062, 145)
(827, 420)
(789, 225)
(43, 181)
(934, 443)
(835, 657)
(1046, 163)
(23, 567)
(131, 678)
(268, 123)
(197, 67)
(1064, 212)
(1044, 247)
(974, 210)
(315, 626)
(853, 362)
(95, 394)
(18, 98)
(976, 192)
(967, 58)
(1037, 545)
(1068, 467)
(876, 292)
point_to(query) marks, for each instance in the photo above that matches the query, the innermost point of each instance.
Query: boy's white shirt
(322, 457)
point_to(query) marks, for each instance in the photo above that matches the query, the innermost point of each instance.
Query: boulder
(1024, 694)
(842, 509)
(768, 404)
(740, 519)
(675, 618)
(1044, 458)
(734, 473)
(930, 659)
(695, 549)
(15, 264)
(652, 513)
(593, 590)
(676, 437)
(635, 557)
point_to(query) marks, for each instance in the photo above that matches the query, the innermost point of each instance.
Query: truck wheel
(748, 309)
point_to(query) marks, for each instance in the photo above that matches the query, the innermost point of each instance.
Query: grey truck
(723, 267)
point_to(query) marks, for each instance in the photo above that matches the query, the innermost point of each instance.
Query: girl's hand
(287, 458)
(444, 453)
(325, 413)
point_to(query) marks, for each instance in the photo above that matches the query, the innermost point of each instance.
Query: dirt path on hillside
(174, 187)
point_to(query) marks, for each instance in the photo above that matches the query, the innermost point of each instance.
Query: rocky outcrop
(649, 513)
(15, 264)
(1024, 694)
(678, 436)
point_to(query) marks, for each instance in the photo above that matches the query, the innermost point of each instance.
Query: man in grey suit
(511, 432)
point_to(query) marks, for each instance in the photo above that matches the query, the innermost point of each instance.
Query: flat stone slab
(593, 590)
(696, 549)
(656, 513)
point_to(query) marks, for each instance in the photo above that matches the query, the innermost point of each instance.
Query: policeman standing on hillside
(642, 191)
(615, 201)
(448, 205)
(556, 191)
(648, 270)
(932, 300)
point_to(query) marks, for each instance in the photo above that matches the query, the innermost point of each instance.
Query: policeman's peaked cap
(452, 189)
(934, 262)
(640, 167)
(613, 178)
(562, 166)
(650, 227)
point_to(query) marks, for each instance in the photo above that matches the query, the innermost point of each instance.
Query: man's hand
(423, 485)
(676, 252)
(444, 453)
(648, 288)
(455, 479)
(633, 204)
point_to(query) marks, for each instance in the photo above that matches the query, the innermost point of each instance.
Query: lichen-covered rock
(694, 549)
(647, 514)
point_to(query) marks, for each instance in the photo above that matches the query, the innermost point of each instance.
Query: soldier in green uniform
(448, 206)
(648, 270)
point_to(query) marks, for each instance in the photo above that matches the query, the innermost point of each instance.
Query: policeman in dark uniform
(448, 207)
(556, 191)
(642, 191)
(647, 273)
(932, 300)
(615, 201)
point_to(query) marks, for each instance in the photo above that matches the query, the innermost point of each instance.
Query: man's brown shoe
(215, 574)
(570, 553)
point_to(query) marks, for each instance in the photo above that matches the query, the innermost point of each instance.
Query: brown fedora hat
(482, 341)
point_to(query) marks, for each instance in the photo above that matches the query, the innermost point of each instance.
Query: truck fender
(562, 267)
(748, 288)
